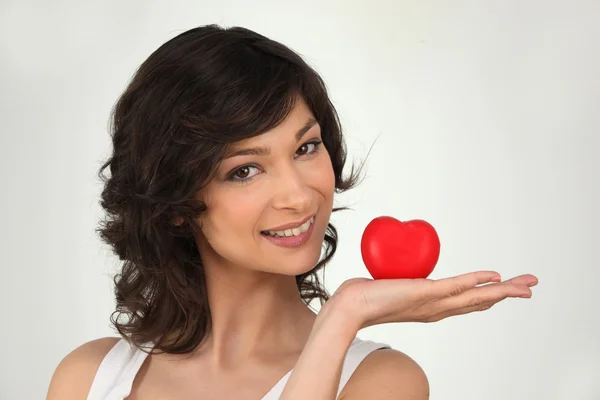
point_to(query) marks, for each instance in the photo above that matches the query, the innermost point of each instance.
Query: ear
(177, 221)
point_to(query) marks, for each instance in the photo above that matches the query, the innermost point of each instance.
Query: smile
(292, 232)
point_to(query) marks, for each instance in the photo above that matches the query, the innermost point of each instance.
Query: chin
(294, 265)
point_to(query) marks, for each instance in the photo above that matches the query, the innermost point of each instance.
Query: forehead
(293, 127)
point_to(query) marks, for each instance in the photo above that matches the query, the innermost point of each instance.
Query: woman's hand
(367, 302)
(359, 303)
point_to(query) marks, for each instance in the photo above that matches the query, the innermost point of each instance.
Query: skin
(260, 327)
(259, 323)
(250, 281)
(359, 303)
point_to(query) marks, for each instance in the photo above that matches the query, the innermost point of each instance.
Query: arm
(384, 374)
(318, 371)
(359, 303)
(74, 375)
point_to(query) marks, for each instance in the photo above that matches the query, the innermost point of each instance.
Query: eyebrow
(263, 151)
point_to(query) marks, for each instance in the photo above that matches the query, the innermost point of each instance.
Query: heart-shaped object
(393, 249)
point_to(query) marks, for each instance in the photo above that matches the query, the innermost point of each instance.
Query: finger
(461, 311)
(454, 286)
(475, 297)
(525, 280)
(484, 302)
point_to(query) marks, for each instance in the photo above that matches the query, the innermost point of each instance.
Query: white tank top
(115, 376)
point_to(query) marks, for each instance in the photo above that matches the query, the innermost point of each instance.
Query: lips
(296, 240)
(291, 225)
(292, 232)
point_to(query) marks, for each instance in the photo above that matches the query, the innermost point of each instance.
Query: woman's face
(287, 179)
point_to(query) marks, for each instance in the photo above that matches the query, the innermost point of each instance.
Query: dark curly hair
(193, 97)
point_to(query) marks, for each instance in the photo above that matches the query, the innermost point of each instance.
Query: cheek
(234, 214)
(325, 177)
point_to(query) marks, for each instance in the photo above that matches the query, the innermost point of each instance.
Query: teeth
(293, 232)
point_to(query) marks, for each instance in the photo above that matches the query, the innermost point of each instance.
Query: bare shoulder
(74, 375)
(387, 374)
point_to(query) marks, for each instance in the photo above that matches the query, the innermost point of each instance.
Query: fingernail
(496, 279)
(525, 296)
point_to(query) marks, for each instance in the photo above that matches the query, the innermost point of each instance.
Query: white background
(486, 117)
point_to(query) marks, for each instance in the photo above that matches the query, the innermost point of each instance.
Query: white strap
(357, 352)
(117, 372)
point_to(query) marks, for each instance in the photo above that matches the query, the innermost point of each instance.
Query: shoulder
(75, 373)
(387, 374)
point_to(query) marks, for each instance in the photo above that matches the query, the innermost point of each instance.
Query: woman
(227, 153)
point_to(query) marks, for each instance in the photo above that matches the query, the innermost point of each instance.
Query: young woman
(226, 156)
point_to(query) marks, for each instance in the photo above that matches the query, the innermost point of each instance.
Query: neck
(253, 314)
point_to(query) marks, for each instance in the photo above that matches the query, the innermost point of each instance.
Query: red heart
(392, 249)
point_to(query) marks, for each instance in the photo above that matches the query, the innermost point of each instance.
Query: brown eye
(303, 149)
(306, 148)
(243, 172)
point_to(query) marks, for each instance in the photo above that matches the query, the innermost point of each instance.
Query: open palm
(373, 302)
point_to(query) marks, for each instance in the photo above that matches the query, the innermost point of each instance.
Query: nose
(292, 191)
